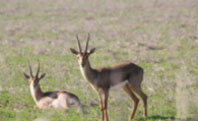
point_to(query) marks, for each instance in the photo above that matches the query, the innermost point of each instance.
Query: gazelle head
(34, 80)
(82, 56)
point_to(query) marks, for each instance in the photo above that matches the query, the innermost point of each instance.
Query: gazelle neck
(88, 72)
(36, 92)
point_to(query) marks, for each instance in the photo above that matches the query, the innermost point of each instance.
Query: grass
(160, 36)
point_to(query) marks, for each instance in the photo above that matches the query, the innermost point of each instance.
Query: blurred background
(159, 35)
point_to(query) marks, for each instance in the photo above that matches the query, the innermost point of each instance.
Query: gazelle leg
(144, 98)
(101, 107)
(105, 101)
(134, 98)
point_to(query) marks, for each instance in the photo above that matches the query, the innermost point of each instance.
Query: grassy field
(159, 35)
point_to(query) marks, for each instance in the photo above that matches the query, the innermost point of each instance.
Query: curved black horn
(79, 46)
(38, 69)
(30, 69)
(87, 43)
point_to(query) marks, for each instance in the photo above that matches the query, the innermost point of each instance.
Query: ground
(159, 35)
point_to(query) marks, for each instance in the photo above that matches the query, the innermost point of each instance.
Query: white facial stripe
(32, 89)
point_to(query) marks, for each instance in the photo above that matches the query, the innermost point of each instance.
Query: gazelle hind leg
(75, 102)
(79, 107)
(139, 91)
(134, 98)
(135, 85)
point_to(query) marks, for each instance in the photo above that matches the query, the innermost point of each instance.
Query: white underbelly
(60, 102)
(119, 85)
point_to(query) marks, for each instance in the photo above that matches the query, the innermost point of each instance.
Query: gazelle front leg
(106, 95)
(101, 107)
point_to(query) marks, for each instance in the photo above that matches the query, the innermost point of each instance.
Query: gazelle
(127, 75)
(56, 99)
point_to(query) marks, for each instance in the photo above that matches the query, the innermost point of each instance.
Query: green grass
(160, 36)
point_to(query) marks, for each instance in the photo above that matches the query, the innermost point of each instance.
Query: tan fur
(56, 99)
(127, 75)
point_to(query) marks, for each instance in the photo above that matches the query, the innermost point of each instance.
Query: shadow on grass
(157, 117)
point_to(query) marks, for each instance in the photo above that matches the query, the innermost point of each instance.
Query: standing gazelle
(56, 99)
(128, 75)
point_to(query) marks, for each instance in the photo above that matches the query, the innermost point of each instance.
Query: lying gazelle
(128, 75)
(57, 99)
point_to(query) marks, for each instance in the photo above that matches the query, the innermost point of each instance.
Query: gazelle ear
(26, 76)
(91, 51)
(42, 76)
(73, 51)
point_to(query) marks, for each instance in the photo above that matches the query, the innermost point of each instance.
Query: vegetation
(160, 36)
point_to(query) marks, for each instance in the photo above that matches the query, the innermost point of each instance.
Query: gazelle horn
(79, 46)
(87, 43)
(30, 69)
(38, 69)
